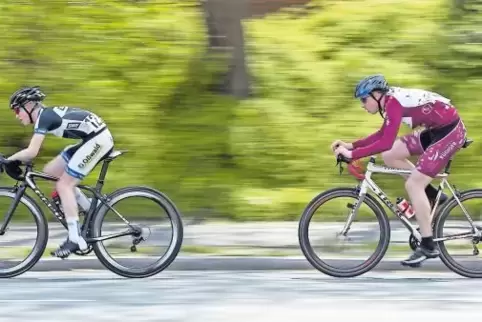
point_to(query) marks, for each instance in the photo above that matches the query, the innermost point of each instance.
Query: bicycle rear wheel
(336, 266)
(149, 263)
(459, 251)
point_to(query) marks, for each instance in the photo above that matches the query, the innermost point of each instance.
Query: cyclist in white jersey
(74, 162)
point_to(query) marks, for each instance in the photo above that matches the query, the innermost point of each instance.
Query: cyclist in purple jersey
(443, 134)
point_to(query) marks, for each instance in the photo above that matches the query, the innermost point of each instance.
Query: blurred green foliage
(306, 67)
(142, 66)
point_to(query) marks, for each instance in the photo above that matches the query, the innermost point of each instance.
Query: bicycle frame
(368, 183)
(29, 182)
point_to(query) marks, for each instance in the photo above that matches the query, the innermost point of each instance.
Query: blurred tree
(225, 33)
(223, 21)
(464, 31)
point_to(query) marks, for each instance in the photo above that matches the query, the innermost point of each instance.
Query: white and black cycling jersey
(68, 122)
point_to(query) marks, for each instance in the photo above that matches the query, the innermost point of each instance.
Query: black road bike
(91, 229)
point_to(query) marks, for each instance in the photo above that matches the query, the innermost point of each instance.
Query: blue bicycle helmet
(370, 84)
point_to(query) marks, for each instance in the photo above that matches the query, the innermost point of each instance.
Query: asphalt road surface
(95, 295)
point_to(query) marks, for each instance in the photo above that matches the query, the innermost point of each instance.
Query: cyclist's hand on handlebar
(11, 167)
(11, 163)
(339, 143)
(343, 154)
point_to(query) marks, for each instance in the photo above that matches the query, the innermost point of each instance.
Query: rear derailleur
(140, 235)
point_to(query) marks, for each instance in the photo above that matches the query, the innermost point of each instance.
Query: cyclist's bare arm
(31, 151)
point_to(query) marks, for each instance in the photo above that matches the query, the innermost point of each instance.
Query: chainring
(413, 242)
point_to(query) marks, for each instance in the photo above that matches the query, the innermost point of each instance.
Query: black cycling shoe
(68, 247)
(420, 254)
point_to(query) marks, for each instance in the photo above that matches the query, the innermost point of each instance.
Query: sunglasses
(16, 109)
(365, 98)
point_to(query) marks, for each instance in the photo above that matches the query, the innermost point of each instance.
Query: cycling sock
(82, 199)
(74, 232)
(428, 243)
(431, 192)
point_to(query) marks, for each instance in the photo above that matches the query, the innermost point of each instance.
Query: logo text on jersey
(73, 125)
(452, 146)
(89, 157)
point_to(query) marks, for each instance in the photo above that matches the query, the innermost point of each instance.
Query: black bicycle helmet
(25, 95)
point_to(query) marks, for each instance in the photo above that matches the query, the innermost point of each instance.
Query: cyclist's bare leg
(397, 156)
(415, 186)
(55, 167)
(81, 160)
(65, 187)
(430, 163)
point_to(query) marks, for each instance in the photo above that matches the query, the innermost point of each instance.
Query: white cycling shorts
(82, 157)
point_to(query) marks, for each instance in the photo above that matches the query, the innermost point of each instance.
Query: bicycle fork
(362, 190)
(19, 191)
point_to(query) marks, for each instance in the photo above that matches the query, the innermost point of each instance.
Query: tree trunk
(224, 24)
(223, 20)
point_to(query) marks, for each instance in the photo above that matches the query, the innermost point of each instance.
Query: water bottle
(405, 208)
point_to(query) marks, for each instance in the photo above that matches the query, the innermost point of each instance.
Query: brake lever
(339, 163)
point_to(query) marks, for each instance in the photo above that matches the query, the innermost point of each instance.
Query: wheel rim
(11, 240)
(145, 266)
(334, 266)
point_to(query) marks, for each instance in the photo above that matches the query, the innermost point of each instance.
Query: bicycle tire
(446, 258)
(174, 247)
(309, 252)
(40, 242)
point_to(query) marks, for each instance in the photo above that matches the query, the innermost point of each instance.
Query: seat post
(447, 167)
(103, 173)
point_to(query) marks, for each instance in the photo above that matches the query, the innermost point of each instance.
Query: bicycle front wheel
(458, 244)
(339, 203)
(157, 219)
(25, 239)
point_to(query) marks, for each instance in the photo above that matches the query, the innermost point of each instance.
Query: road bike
(473, 232)
(93, 219)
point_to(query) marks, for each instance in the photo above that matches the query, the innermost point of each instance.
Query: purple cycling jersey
(415, 107)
